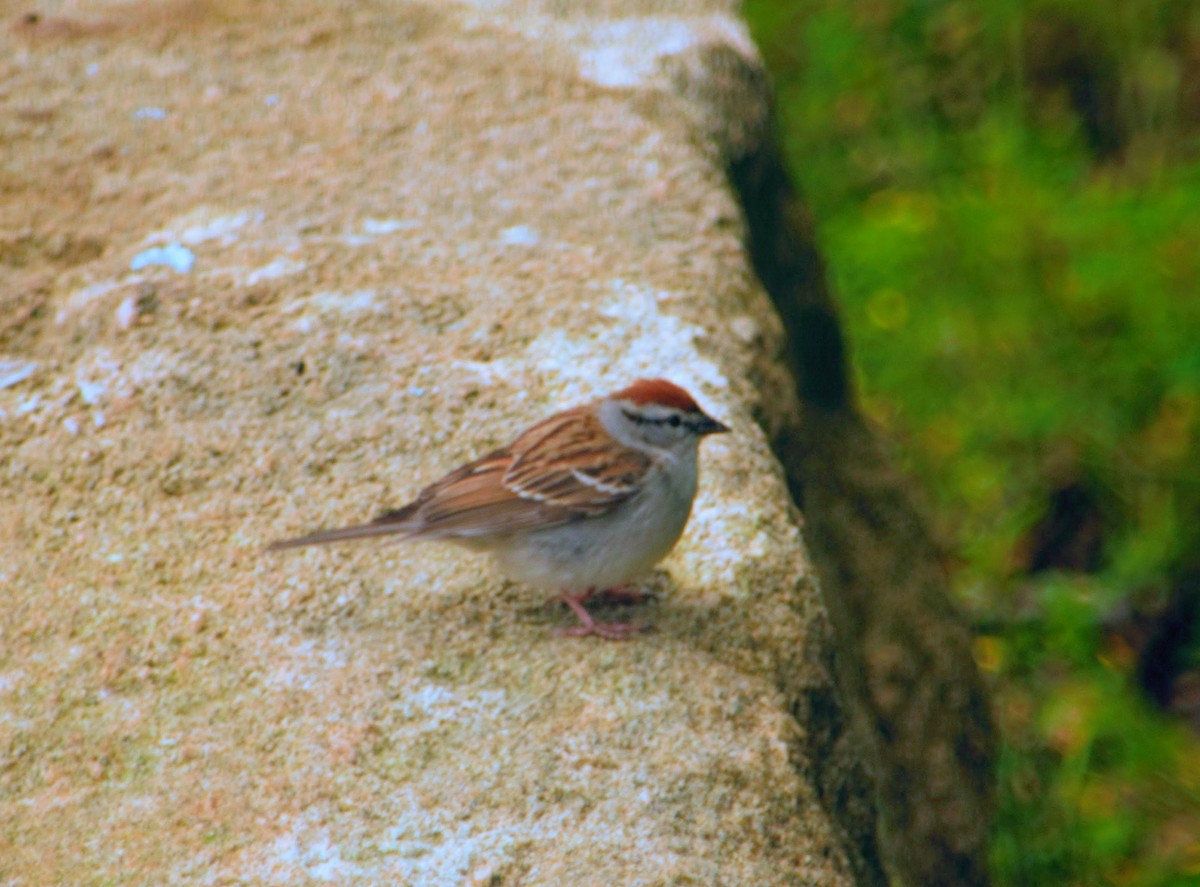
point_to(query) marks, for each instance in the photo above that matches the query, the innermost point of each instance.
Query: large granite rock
(273, 266)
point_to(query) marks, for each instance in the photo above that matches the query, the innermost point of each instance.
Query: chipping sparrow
(581, 502)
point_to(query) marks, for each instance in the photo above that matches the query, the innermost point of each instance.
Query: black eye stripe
(673, 420)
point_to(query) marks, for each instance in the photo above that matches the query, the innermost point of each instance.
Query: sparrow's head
(659, 414)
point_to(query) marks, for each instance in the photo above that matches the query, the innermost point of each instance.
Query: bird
(579, 504)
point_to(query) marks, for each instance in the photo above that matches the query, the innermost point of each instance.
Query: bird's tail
(394, 523)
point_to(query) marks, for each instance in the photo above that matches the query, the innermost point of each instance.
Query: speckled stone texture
(268, 266)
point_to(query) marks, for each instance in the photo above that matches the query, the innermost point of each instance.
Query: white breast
(606, 551)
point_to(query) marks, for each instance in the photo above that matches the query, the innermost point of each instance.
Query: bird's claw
(613, 631)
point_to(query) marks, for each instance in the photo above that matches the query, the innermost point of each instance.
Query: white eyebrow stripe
(596, 483)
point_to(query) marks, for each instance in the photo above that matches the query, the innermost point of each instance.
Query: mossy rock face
(372, 240)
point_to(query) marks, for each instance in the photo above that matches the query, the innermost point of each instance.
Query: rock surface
(273, 266)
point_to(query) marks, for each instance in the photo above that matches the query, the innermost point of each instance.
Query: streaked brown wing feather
(569, 460)
(519, 487)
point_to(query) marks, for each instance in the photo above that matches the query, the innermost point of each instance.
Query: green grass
(1025, 311)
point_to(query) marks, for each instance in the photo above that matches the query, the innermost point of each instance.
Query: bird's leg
(614, 631)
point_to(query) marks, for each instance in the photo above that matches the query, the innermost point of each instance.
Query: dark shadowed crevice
(904, 659)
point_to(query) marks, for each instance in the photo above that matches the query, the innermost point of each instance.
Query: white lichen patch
(654, 339)
(520, 235)
(273, 270)
(172, 255)
(203, 226)
(621, 53)
(82, 298)
(304, 851)
(10, 680)
(434, 705)
(303, 665)
(625, 52)
(638, 339)
(331, 302)
(378, 227)
(14, 371)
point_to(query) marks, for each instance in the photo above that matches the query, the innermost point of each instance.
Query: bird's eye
(674, 421)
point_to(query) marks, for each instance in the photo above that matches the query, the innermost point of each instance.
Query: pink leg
(614, 631)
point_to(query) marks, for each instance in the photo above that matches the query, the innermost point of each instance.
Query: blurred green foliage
(1008, 198)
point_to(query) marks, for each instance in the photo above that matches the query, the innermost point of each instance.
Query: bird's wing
(571, 461)
(561, 469)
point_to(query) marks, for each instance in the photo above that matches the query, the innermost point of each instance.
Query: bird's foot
(613, 631)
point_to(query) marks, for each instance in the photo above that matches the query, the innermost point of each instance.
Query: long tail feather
(343, 534)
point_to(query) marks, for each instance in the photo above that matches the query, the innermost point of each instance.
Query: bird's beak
(712, 426)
